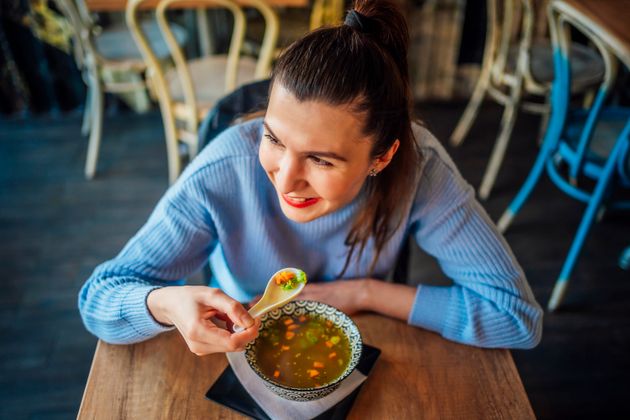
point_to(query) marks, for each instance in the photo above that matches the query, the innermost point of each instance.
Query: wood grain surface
(419, 375)
(609, 19)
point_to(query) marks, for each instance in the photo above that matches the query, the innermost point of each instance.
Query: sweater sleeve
(175, 241)
(490, 303)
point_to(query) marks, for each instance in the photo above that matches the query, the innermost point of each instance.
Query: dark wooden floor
(56, 227)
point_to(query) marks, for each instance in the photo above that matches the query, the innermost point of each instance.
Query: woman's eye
(272, 140)
(319, 162)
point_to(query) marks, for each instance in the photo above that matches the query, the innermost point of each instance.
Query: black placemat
(228, 391)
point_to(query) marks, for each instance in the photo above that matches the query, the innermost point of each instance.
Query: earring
(373, 172)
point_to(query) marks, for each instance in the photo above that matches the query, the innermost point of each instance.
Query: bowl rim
(346, 373)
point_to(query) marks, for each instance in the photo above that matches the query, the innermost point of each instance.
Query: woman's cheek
(267, 159)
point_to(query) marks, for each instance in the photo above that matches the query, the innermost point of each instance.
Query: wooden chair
(518, 63)
(187, 92)
(99, 52)
(581, 147)
(296, 22)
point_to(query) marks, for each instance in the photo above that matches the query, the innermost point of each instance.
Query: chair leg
(542, 129)
(86, 125)
(554, 130)
(96, 127)
(601, 189)
(500, 146)
(472, 109)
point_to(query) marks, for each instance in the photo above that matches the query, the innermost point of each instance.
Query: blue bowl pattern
(308, 307)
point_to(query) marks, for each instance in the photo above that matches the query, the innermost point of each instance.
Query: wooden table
(119, 5)
(419, 375)
(204, 34)
(608, 19)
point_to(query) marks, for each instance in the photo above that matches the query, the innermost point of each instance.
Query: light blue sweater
(224, 206)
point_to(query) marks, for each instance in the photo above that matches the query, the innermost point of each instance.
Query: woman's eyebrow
(331, 155)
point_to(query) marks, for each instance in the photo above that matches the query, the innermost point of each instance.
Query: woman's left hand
(348, 296)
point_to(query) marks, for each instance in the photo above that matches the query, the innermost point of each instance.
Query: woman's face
(314, 154)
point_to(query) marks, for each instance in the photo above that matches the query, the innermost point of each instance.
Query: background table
(608, 19)
(119, 5)
(418, 375)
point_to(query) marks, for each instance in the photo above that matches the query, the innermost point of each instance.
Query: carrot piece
(276, 373)
(288, 321)
(302, 318)
(284, 348)
(328, 324)
(312, 372)
(332, 355)
(293, 327)
(329, 344)
(318, 365)
(289, 335)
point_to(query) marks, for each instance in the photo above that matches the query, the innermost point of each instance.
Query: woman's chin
(301, 215)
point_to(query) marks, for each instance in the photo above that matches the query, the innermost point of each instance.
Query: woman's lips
(299, 202)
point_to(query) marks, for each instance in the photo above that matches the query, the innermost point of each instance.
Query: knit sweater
(225, 209)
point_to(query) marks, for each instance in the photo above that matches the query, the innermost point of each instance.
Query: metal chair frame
(558, 148)
(504, 86)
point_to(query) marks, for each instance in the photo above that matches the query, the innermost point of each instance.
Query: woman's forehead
(313, 122)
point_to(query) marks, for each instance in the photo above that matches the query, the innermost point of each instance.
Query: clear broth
(302, 351)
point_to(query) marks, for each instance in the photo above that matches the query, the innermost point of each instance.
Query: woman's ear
(382, 161)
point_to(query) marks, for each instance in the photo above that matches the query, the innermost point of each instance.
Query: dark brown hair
(367, 70)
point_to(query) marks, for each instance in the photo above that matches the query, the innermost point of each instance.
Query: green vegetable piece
(312, 337)
(301, 277)
(335, 340)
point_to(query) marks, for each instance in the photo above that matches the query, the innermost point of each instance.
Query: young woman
(332, 180)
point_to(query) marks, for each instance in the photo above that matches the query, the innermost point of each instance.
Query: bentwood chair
(581, 147)
(516, 71)
(104, 56)
(187, 92)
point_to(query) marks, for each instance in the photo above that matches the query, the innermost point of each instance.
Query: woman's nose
(289, 176)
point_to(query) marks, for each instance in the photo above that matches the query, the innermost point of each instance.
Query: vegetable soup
(302, 351)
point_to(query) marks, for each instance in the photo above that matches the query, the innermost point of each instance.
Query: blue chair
(579, 144)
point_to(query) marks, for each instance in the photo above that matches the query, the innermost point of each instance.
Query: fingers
(205, 337)
(205, 331)
(215, 298)
(239, 340)
(229, 325)
(208, 339)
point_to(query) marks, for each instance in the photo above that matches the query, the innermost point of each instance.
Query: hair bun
(359, 22)
(387, 27)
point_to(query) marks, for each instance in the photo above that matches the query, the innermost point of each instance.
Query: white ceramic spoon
(274, 296)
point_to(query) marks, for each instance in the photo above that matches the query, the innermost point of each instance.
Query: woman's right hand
(191, 309)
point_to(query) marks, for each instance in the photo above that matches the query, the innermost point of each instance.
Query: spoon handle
(253, 312)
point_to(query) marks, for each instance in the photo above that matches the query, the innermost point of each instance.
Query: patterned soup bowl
(310, 309)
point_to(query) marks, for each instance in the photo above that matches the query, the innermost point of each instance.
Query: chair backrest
(83, 30)
(181, 118)
(245, 99)
(513, 23)
(560, 28)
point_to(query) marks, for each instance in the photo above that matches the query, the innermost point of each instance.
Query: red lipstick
(301, 204)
